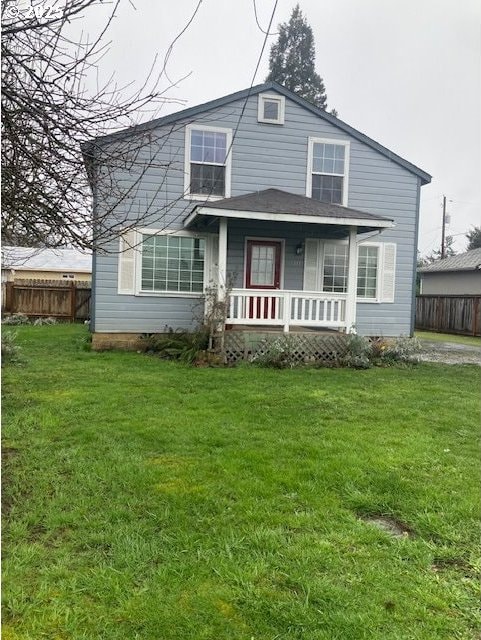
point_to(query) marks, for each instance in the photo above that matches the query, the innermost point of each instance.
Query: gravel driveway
(450, 353)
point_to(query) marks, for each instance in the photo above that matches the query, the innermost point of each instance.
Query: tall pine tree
(292, 61)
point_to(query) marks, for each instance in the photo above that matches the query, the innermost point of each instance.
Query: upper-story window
(328, 165)
(270, 108)
(207, 162)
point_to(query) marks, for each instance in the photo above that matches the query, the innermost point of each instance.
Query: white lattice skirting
(305, 348)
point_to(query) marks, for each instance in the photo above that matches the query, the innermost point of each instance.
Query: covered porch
(264, 259)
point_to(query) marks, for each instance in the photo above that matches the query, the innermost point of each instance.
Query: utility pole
(443, 232)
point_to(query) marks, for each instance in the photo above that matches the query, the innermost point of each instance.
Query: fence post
(9, 297)
(73, 301)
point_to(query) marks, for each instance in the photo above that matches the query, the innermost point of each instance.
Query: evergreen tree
(474, 238)
(292, 60)
(449, 251)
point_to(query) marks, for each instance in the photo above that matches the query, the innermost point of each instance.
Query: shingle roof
(278, 201)
(46, 259)
(88, 148)
(469, 261)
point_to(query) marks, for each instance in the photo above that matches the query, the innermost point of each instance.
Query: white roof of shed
(468, 261)
(31, 259)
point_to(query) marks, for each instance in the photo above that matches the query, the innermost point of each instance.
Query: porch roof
(281, 206)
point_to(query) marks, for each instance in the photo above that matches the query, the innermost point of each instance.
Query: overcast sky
(407, 73)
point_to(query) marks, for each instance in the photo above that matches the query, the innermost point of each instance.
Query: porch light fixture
(300, 249)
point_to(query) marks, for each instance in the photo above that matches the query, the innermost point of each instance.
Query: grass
(148, 500)
(470, 341)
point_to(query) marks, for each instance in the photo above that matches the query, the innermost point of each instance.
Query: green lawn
(470, 341)
(148, 500)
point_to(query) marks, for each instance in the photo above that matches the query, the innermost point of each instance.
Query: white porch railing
(286, 308)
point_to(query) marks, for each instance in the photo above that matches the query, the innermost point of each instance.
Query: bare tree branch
(49, 113)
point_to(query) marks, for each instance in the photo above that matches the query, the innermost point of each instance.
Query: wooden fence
(68, 300)
(449, 314)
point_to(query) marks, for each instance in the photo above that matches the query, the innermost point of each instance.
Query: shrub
(44, 321)
(277, 354)
(359, 353)
(10, 348)
(16, 319)
(176, 345)
(403, 349)
(363, 353)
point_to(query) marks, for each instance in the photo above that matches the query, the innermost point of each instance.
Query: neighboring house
(305, 221)
(454, 276)
(24, 263)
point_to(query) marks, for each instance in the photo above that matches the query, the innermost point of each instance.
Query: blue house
(294, 217)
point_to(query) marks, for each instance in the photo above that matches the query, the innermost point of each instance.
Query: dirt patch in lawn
(456, 564)
(390, 525)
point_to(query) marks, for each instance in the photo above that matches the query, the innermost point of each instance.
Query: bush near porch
(147, 499)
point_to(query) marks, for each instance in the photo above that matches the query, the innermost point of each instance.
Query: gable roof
(246, 93)
(31, 259)
(275, 204)
(469, 261)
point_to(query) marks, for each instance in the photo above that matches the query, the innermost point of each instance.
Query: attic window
(271, 109)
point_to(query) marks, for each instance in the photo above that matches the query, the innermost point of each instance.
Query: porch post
(350, 317)
(222, 262)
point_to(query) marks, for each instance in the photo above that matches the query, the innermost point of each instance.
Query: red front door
(263, 271)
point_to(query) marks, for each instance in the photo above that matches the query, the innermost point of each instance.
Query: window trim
(274, 98)
(320, 258)
(310, 156)
(169, 294)
(228, 162)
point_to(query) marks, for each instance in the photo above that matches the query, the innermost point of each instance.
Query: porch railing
(286, 308)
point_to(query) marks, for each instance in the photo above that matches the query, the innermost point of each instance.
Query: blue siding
(263, 156)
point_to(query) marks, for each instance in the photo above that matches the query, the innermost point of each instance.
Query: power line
(274, 33)
(255, 72)
(177, 37)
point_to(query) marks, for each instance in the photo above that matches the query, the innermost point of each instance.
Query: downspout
(94, 258)
(415, 260)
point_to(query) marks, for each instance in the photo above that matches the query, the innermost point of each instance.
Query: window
(367, 272)
(327, 171)
(335, 268)
(172, 263)
(334, 276)
(326, 266)
(270, 108)
(207, 157)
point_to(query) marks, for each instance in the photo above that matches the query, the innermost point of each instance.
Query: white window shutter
(311, 272)
(126, 284)
(212, 260)
(388, 274)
